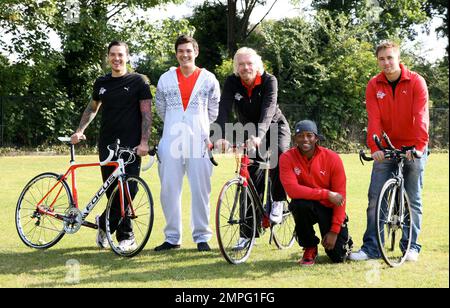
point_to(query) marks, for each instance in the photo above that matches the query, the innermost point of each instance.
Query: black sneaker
(203, 246)
(166, 246)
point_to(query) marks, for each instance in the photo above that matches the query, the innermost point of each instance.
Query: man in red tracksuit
(397, 104)
(314, 178)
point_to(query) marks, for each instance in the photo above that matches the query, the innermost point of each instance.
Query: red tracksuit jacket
(404, 117)
(313, 179)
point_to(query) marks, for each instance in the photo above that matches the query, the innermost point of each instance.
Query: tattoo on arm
(88, 115)
(146, 110)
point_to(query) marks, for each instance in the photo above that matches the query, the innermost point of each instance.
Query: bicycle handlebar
(390, 151)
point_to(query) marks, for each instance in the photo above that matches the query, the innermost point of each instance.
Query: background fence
(33, 121)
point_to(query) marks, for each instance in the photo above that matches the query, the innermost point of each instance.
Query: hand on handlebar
(77, 137)
(253, 143)
(142, 149)
(378, 155)
(222, 145)
(411, 154)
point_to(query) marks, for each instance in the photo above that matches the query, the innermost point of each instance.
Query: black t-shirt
(121, 116)
(394, 84)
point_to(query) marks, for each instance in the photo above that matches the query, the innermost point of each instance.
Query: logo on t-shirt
(322, 172)
(102, 91)
(297, 171)
(238, 96)
(381, 94)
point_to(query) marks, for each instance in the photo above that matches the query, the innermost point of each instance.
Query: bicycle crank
(73, 220)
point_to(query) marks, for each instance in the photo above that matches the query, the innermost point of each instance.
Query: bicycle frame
(247, 183)
(118, 173)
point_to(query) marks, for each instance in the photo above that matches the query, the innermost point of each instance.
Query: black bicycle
(393, 212)
(239, 208)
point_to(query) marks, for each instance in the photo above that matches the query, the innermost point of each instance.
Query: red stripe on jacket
(313, 179)
(404, 117)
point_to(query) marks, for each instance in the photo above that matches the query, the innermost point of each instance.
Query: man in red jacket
(314, 178)
(396, 103)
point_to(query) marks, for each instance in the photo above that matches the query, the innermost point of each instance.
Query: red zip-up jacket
(404, 117)
(313, 179)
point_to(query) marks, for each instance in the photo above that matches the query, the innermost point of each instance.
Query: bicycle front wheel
(235, 222)
(136, 222)
(284, 232)
(36, 228)
(393, 223)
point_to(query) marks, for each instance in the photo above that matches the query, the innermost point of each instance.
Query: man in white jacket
(187, 100)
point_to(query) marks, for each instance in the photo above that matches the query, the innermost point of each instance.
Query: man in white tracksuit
(187, 100)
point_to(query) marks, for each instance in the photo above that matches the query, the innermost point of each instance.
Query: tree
(238, 22)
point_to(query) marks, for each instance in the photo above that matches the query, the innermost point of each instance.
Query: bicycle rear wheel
(35, 228)
(138, 217)
(284, 232)
(235, 222)
(393, 224)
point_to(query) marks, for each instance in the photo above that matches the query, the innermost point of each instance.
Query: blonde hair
(387, 44)
(247, 51)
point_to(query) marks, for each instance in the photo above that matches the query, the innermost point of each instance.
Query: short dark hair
(184, 39)
(118, 43)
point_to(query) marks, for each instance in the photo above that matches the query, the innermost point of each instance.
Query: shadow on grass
(173, 266)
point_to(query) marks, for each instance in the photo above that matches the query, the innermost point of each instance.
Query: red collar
(256, 83)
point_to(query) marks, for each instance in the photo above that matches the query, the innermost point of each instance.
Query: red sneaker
(309, 256)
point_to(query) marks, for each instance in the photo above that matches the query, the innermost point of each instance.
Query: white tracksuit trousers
(171, 173)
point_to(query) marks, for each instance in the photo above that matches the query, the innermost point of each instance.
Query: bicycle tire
(42, 231)
(141, 222)
(284, 232)
(231, 219)
(393, 247)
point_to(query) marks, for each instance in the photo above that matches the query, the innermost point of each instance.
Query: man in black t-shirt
(126, 115)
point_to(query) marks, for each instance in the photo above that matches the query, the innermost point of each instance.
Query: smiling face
(389, 61)
(118, 58)
(306, 143)
(247, 68)
(186, 55)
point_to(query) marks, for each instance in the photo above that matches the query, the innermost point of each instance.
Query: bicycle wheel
(393, 224)
(36, 229)
(284, 232)
(138, 218)
(235, 222)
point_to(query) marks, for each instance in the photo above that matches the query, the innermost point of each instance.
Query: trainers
(127, 245)
(358, 256)
(166, 246)
(242, 243)
(309, 256)
(276, 214)
(101, 240)
(203, 246)
(412, 256)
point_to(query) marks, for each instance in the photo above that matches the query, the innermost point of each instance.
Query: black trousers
(306, 214)
(124, 228)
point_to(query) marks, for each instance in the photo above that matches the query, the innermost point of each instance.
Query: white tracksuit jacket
(182, 149)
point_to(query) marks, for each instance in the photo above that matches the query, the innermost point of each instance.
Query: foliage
(323, 73)
(210, 33)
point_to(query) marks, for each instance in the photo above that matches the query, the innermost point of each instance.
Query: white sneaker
(412, 256)
(101, 240)
(127, 245)
(242, 243)
(358, 256)
(276, 214)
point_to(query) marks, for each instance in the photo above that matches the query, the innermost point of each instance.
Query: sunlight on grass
(186, 267)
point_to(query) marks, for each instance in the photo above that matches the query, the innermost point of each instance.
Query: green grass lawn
(75, 260)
